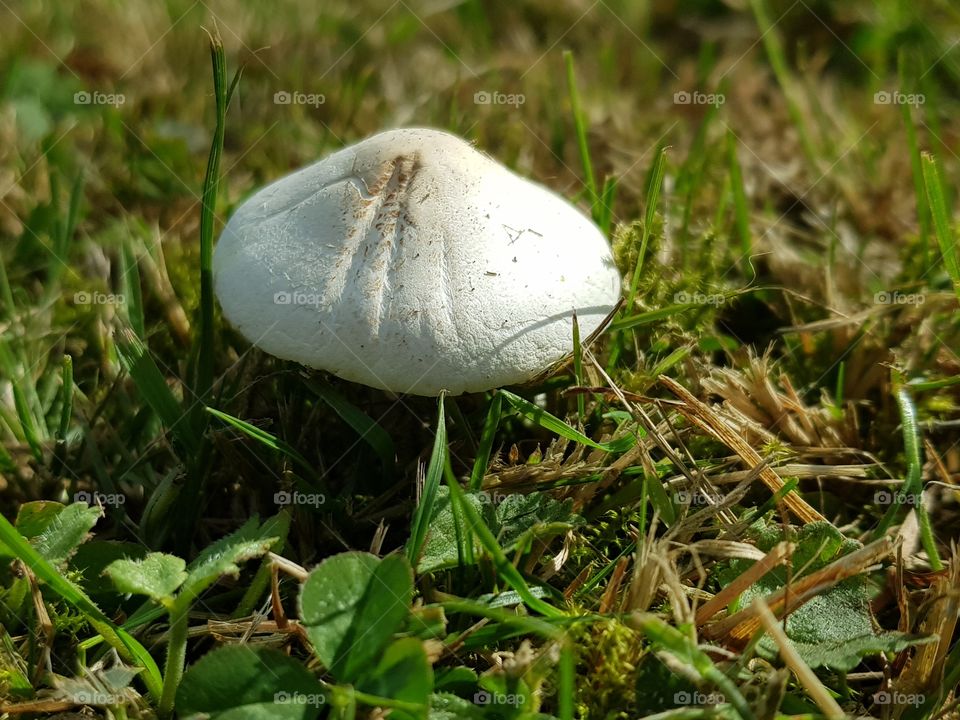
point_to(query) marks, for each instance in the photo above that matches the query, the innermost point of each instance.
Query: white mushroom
(413, 263)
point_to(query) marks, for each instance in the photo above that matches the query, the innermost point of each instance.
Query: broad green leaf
(515, 519)
(157, 576)
(247, 682)
(33, 517)
(351, 605)
(504, 567)
(442, 549)
(65, 532)
(458, 679)
(128, 647)
(658, 688)
(834, 629)
(93, 557)
(403, 673)
(99, 688)
(537, 514)
(445, 706)
(505, 696)
(223, 557)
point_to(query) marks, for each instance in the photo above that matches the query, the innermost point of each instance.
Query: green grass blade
(125, 644)
(566, 685)
(686, 652)
(143, 615)
(64, 230)
(649, 216)
(263, 437)
(151, 384)
(66, 398)
(607, 196)
(578, 369)
(504, 567)
(6, 292)
(554, 424)
(211, 188)
(690, 176)
(654, 316)
(916, 166)
(773, 45)
(25, 417)
(664, 366)
(132, 295)
(580, 127)
(913, 485)
(936, 197)
(21, 403)
(605, 571)
(926, 385)
(741, 212)
(423, 515)
(486, 441)
(788, 486)
(17, 684)
(365, 426)
(527, 624)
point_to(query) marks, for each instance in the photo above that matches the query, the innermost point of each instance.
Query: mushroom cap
(414, 263)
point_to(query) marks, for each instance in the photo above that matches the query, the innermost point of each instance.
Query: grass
(771, 417)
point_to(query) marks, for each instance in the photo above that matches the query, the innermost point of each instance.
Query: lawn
(739, 500)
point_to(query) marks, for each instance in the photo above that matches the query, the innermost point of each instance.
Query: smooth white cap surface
(412, 262)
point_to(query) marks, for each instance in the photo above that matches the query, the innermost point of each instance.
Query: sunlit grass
(788, 254)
